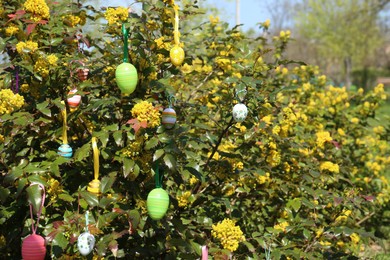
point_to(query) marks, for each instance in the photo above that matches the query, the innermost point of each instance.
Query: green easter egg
(126, 77)
(157, 203)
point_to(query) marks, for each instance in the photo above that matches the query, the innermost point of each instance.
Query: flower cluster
(71, 20)
(38, 8)
(30, 46)
(116, 15)
(228, 234)
(9, 101)
(146, 112)
(43, 64)
(281, 226)
(322, 138)
(332, 167)
(183, 199)
(11, 30)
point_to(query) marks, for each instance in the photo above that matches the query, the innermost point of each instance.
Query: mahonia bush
(303, 176)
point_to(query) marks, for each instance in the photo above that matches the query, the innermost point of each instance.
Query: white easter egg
(240, 111)
(85, 243)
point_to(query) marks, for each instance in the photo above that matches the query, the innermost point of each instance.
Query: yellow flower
(214, 20)
(332, 167)
(266, 24)
(267, 119)
(261, 179)
(38, 8)
(71, 20)
(355, 120)
(186, 68)
(9, 101)
(355, 238)
(323, 137)
(146, 112)
(281, 226)
(341, 131)
(1, 138)
(183, 199)
(26, 46)
(319, 232)
(11, 30)
(52, 59)
(116, 15)
(160, 42)
(228, 234)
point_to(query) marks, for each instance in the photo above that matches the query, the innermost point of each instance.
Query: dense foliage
(301, 177)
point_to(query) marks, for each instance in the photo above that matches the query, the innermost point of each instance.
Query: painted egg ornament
(33, 247)
(157, 203)
(177, 55)
(85, 243)
(126, 77)
(240, 111)
(169, 118)
(73, 100)
(65, 151)
(82, 74)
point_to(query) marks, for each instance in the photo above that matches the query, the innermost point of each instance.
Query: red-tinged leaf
(55, 3)
(118, 210)
(144, 124)
(369, 198)
(20, 12)
(57, 224)
(73, 239)
(52, 234)
(42, 22)
(17, 15)
(30, 28)
(132, 121)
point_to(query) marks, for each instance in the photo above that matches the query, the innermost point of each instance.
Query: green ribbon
(125, 32)
(158, 177)
(171, 100)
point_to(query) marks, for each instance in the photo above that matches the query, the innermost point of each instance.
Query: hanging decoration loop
(176, 25)
(35, 227)
(86, 221)
(94, 185)
(240, 94)
(125, 32)
(158, 177)
(64, 127)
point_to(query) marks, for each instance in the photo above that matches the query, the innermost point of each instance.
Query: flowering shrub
(303, 176)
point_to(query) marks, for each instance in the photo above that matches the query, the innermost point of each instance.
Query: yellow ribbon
(94, 185)
(64, 127)
(176, 25)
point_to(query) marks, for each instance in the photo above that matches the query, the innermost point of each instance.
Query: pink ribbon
(34, 228)
(205, 253)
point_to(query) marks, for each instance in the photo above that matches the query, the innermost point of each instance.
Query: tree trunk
(348, 72)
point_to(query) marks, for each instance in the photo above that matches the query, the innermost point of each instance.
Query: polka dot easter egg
(240, 111)
(85, 243)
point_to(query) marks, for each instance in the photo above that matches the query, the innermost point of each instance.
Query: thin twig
(199, 86)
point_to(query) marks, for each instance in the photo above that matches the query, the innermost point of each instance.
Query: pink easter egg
(33, 247)
(74, 101)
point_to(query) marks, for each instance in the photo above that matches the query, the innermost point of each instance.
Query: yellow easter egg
(177, 55)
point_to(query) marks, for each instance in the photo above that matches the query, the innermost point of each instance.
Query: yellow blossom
(214, 20)
(228, 234)
(146, 112)
(322, 137)
(355, 120)
(332, 167)
(26, 46)
(267, 119)
(9, 101)
(116, 15)
(11, 30)
(267, 23)
(355, 238)
(281, 226)
(71, 20)
(38, 8)
(341, 131)
(183, 199)
(261, 179)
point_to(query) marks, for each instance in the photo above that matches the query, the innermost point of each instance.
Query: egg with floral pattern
(85, 243)
(240, 111)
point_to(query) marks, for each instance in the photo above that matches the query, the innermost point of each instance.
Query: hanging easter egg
(94, 186)
(168, 118)
(82, 74)
(85, 243)
(157, 203)
(126, 77)
(65, 151)
(177, 55)
(73, 100)
(33, 247)
(240, 111)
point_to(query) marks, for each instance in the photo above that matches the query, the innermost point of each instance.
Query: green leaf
(128, 166)
(151, 143)
(118, 136)
(106, 183)
(60, 240)
(250, 247)
(90, 198)
(4, 192)
(157, 154)
(170, 161)
(135, 218)
(83, 152)
(34, 197)
(66, 197)
(55, 41)
(294, 204)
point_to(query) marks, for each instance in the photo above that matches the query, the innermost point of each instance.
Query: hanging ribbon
(125, 33)
(171, 101)
(86, 221)
(94, 185)
(35, 227)
(240, 94)
(64, 127)
(158, 177)
(176, 25)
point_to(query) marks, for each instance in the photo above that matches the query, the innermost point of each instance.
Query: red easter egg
(75, 100)
(33, 247)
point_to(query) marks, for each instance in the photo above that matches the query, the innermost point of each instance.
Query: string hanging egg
(94, 185)
(176, 54)
(85, 241)
(126, 74)
(157, 202)
(65, 150)
(34, 246)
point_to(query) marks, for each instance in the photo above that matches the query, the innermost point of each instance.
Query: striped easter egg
(177, 55)
(73, 100)
(157, 203)
(126, 77)
(65, 150)
(168, 118)
(33, 247)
